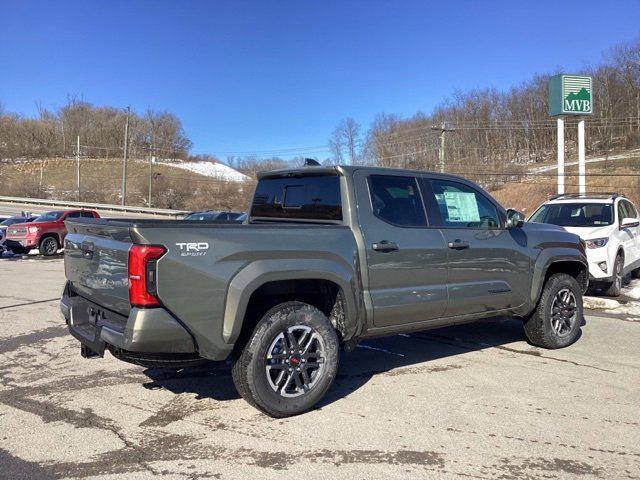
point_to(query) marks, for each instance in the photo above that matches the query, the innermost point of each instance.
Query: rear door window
(462, 206)
(622, 211)
(396, 200)
(309, 197)
(631, 210)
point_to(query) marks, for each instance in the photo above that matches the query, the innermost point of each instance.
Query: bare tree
(345, 137)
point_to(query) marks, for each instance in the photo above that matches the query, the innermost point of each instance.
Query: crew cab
(609, 225)
(328, 256)
(46, 232)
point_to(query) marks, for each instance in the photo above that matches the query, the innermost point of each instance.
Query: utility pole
(78, 166)
(124, 159)
(152, 159)
(442, 129)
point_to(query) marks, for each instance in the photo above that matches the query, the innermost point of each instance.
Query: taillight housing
(142, 275)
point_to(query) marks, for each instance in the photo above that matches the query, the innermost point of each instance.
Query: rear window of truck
(305, 198)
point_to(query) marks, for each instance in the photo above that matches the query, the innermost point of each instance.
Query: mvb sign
(570, 95)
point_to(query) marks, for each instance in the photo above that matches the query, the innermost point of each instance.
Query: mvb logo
(192, 249)
(576, 94)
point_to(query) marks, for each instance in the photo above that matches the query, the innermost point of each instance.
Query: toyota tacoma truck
(328, 256)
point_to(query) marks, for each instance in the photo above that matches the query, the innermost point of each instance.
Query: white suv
(609, 225)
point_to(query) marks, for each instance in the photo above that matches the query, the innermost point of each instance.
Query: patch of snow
(598, 303)
(631, 310)
(603, 158)
(219, 171)
(632, 290)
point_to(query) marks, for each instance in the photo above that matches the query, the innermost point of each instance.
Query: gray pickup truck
(327, 257)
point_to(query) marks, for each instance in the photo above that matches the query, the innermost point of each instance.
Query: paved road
(469, 402)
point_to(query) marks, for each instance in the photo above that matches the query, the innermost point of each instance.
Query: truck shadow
(418, 353)
(422, 353)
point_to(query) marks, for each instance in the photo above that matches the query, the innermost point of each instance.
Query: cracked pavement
(470, 401)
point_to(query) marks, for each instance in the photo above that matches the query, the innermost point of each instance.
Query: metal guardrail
(94, 206)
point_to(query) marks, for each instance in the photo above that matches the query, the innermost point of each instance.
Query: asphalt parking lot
(474, 401)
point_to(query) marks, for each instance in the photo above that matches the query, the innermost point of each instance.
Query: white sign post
(582, 167)
(560, 155)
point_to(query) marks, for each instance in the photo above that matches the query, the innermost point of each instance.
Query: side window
(622, 211)
(633, 213)
(73, 215)
(87, 215)
(397, 200)
(462, 206)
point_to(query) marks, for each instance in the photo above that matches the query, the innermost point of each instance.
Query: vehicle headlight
(597, 242)
(33, 229)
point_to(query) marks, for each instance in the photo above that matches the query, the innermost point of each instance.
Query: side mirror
(630, 222)
(515, 219)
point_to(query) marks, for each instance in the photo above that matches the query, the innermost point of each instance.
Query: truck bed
(195, 275)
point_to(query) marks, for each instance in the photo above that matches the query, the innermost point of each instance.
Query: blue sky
(257, 76)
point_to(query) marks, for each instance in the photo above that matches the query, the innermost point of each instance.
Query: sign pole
(581, 161)
(560, 155)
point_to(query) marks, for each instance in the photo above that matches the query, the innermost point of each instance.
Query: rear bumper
(150, 330)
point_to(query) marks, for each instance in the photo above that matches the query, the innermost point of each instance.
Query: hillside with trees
(501, 132)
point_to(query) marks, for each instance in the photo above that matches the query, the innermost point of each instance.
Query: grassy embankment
(101, 181)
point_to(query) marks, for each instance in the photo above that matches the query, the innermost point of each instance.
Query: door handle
(385, 246)
(458, 245)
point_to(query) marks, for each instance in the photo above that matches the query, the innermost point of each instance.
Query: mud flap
(86, 352)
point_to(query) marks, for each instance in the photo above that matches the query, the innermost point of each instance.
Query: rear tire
(614, 289)
(49, 246)
(556, 321)
(271, 373)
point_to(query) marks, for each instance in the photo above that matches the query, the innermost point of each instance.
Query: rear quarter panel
(207, 288)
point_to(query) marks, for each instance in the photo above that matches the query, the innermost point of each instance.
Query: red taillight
(142, 274)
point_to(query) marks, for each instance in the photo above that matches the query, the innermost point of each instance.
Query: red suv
(45, 233)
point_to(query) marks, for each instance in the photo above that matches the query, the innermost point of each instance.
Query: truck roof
(349, 169)
(585, 197)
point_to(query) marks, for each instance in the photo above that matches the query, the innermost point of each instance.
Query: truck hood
(542, 235)
(541, 227)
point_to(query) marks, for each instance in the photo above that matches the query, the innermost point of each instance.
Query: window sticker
(462, 206)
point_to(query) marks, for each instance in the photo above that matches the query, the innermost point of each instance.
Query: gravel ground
(472, 401)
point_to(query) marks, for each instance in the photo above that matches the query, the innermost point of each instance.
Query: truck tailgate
(96, 262)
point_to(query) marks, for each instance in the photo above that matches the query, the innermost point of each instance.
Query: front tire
(49, 246)
(289, 362)
(615, 288)
(556, 321)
